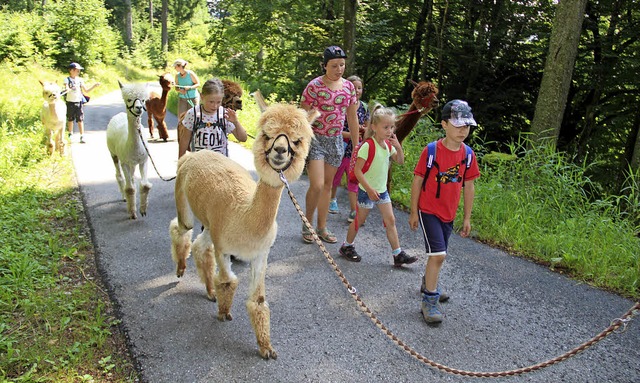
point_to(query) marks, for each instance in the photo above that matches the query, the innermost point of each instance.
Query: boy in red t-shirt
(435, 206)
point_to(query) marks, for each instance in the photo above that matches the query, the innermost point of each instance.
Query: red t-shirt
(451, 166)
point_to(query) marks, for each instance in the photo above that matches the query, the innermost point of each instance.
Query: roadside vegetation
(57, 323)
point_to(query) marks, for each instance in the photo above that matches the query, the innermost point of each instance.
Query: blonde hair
(377, 113)
(353, 78)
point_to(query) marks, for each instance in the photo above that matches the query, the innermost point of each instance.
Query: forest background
(554, 88)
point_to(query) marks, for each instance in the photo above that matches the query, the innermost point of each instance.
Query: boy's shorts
(328, 149)
(365, 203)
(436, 234)
(74, 111)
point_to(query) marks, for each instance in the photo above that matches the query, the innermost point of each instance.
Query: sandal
(326, 235)
(307, 237)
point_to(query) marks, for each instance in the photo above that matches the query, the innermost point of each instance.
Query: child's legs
(325, 195)
(337, 179)
(353, 227)
(436, 238)
(81, 127)
(389, 220)
(80, 119)
(352, 187)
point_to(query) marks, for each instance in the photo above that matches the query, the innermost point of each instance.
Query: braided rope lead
(151, 158)
(615, 324)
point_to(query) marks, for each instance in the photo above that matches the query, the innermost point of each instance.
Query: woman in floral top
(335, 98)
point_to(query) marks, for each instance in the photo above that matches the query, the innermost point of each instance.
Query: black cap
(333, 52)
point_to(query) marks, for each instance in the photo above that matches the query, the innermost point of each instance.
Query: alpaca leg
(226, 284)
(162, 130)
(130, 190)
(258, 308)
(119, 177)
(150, 123)
(59, 141)
(145, 187)
(180, 246)
(51, 144)
(202, 249)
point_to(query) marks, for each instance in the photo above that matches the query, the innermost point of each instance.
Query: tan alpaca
(53, 115)
(238, 214)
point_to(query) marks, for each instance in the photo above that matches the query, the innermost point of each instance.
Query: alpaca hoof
(143, 213)
(180, 273)
(133, 216)
(268, 353)
(222, 317)
(211, 295)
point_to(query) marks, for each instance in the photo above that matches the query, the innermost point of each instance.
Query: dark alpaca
(232, 95)
(157, 106)
(425, 98)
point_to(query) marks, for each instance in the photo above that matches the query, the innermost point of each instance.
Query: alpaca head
(425, 95)
(50, 91)
(232, 95)
(283, 142)
(134, 96)
(166, 81)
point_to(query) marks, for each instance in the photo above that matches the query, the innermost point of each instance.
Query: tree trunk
(634, 152)
(165, 27)
(558, 70)
(424, 65)
(416, 52)
(349, 34)
(128, 23)
(151, 13)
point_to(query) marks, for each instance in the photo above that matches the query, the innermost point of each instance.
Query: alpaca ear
(412, 82)
(41, 83)
(119, 83)
(312, 115)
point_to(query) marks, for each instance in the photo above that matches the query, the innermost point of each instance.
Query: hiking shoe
(82, 140)
(443, 296)
(350, 253)
(403, 259)
(333, 206)
(352, 216)
(430, 308)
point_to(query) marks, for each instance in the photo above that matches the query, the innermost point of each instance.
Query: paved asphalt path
(505, 313)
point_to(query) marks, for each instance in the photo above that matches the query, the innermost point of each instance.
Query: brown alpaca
(157, 106)
(425, 98)
(232, 95)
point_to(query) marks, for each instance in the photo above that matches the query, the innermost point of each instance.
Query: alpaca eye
(297, 142)
(267, 137)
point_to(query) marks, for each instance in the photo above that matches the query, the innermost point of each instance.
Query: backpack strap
(370, 155)
(431, 160)
(197, 118)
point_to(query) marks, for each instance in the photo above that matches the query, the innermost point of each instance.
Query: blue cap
(75, 66)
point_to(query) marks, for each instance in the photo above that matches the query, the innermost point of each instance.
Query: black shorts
(74, 111)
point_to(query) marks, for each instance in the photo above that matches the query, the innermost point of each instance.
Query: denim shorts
(328, 149)
(365, 203)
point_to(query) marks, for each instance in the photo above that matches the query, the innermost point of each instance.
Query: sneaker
(443, 296)
(352, 216)
(430, 308)
(333, 206)
(350, 253)
(82, 140)
(403, 259)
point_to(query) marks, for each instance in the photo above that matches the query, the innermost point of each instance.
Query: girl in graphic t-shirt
(335, 98)
(208, 124)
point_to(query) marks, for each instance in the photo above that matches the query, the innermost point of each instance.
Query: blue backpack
(431, 162)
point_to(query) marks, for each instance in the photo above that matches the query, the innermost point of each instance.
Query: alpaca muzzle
(280, 155)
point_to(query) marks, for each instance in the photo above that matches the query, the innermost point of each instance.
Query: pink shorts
(342, 169)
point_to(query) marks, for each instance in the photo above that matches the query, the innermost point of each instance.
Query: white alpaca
(128, 149)
(53, 116)
(239, 216)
